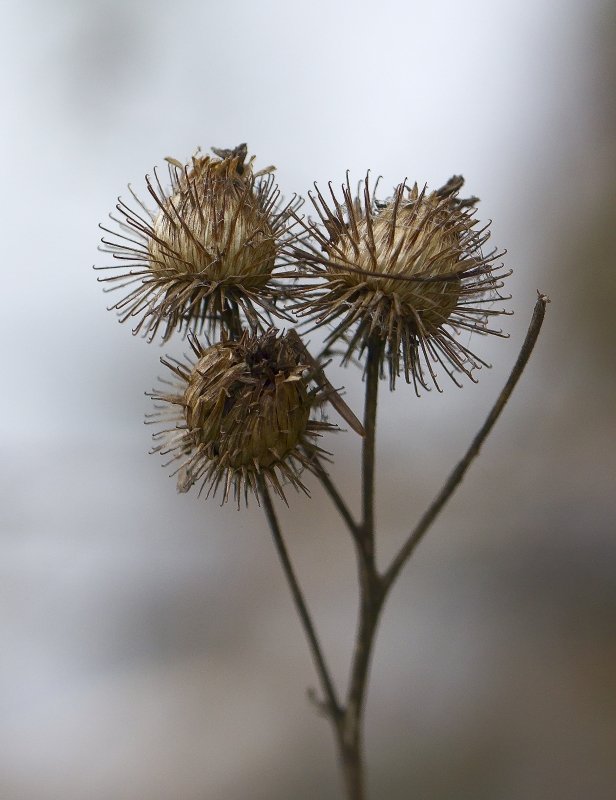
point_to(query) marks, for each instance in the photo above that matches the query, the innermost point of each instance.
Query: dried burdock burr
(240, 412)
(202, 254)
(410, 274)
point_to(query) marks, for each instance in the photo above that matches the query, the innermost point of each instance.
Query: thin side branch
(330, 393)
(337, 500)
(458, 473)
(332, 704)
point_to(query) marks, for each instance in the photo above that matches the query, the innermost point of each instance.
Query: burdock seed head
(407, 275)
(240, 413)
(202, 253)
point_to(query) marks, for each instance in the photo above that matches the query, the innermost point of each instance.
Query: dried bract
(409, 274)
(241, 412)
(204, 256)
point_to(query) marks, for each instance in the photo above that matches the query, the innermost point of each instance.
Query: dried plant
(409, 273)
(395, 282)
(241, 414)
(203, 257)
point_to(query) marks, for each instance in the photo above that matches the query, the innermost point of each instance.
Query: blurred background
(150, 648)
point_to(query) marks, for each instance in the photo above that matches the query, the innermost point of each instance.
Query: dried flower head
(205, 255)
(241, 412)
(408, 275)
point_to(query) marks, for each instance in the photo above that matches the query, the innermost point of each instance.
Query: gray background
(149, 645)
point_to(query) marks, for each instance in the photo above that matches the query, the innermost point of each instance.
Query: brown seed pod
(204, 257)
(240, 412)
(410, 273)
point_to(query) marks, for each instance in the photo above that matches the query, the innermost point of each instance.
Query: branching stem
(370, 592)
(458, 473)
(347, 720)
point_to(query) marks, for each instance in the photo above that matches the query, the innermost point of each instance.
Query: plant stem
(458, 473)
(231, 318)
(375, 348)
(371, 603)
(331, 703)
(337, 500)
(370, 589)
(347, 720)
